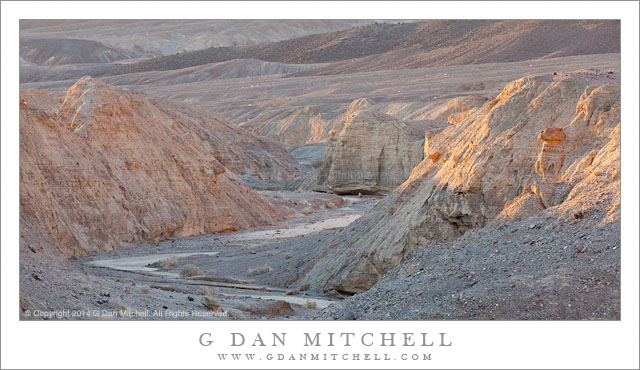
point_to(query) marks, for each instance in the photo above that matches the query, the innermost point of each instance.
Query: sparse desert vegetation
(169, 263)
(116, 304)
(311, 304)
(210, 303)
(190, 270)
(203, 291)
(258, 270)
(237, 314)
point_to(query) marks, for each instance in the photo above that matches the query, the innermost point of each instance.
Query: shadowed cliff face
(108, 167)
(526, 151)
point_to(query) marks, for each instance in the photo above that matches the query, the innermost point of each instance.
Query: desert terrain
(326, 170)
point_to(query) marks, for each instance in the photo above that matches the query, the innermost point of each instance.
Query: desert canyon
(320, 169)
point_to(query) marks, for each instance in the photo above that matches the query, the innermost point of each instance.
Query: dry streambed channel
(244, 274)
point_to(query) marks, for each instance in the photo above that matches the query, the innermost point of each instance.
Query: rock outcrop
(238, 150)
(113, 166)
(457, 109)
(372, 154)
(551, 155)
(544, 143)
(304, 126)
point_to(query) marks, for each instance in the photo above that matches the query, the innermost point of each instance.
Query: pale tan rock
(551, 157)
(356, 106)
(238, 150)
(487, 172)
(117, 167)
(457, 109)
(373, 153)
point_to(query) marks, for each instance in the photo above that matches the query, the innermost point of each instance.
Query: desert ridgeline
(320, 169)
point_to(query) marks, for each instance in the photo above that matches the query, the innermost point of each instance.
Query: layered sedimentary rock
(303, 126)
(356, 106)
(111, 166)
(551, 155)
(300, 127)
(310, 154)
(238, 150)
(457, 109)
(373, 153)
(544, 143)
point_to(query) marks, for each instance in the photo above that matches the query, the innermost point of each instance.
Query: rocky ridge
(156, 37)
(385, 46)
(238, 150)
(503, 163)
(108, 166)
(51, 52)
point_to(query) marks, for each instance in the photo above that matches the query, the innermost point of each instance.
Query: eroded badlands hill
(546, 143)
(109, 166)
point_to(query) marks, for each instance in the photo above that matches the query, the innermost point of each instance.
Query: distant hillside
(443, 44)
(158, 37)
(67, 51)
(411, 45)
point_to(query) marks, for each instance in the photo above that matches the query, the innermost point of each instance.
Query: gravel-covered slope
(540, 268)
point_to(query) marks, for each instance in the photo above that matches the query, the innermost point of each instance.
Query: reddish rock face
(551, 156)
(552, 134)
(116, 167)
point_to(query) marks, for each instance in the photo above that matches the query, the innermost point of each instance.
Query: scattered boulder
(434, 157)
(279, 308)
(210, 304)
